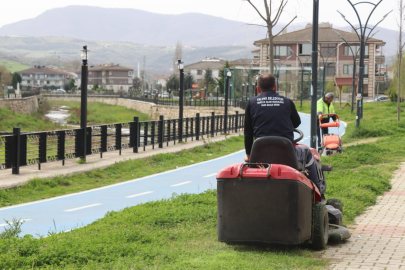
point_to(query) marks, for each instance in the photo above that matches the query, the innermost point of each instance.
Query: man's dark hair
(266, 82)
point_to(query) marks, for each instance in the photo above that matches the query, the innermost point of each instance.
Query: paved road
(80, 209)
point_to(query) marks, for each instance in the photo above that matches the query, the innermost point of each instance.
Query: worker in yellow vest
(324, 106)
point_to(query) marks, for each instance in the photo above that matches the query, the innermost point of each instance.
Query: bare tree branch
(257, 24)
(268, 11)
(258, 12)
(285, 27)
(280, 10)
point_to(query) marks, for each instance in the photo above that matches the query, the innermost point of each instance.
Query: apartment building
(41, 76)
(198, 69)
(113, 77)
(292, 49)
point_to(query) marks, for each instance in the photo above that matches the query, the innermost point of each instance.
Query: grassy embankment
(180, 233)
(100, 113)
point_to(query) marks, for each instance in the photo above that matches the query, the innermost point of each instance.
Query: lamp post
(181, 70)
(363, 37)
(257, 78)
(83, 106)
(228, 77)
(314, 88)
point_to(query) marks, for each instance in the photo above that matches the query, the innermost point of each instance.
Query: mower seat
(274, 150)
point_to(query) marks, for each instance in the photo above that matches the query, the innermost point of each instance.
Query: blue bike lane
(72, 211)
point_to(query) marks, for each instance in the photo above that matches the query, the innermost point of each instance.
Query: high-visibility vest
(323, 108)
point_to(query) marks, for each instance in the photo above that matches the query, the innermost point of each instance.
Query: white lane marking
(140, 194)
(210, 175)
(181, 184)
(83, 207)
(120, 184)
(11, 223)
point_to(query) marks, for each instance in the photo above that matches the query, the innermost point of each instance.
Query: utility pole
(314, 89)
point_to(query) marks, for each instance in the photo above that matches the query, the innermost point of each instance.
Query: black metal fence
(35, 148)
(187, 101)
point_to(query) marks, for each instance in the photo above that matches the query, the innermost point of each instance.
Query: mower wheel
(336, 203)
(320, 226)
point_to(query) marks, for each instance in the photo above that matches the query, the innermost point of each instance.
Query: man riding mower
(278, 195)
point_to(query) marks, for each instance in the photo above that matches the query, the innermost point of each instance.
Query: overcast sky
(13, 11)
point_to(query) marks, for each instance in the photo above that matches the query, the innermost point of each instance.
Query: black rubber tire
(336, 203)
(320, 226)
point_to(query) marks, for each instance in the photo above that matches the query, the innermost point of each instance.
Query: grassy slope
(12, 66)
(100, 113)
(181, 233)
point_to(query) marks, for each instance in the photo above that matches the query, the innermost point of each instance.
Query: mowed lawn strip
(180, 233)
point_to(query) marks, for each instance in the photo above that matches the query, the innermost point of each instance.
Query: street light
(83, 113)
(180, 66)
(228, 77)
(241, 94)
(363, 39)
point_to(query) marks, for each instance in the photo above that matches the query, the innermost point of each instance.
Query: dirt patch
(362, 141)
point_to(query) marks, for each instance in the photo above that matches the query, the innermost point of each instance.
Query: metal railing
(186, 101)
(36, 148)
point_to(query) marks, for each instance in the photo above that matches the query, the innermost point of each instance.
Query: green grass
(34, 122)
(38, 189)
(180, 233)
(13, 66)
(100, 113)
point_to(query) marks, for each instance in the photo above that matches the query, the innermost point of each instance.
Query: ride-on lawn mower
(271, 200)
(330, 143)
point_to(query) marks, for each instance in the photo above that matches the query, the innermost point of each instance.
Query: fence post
(118, 135)
(197, 126)
(134, 134)
(161, 130)
(212, 123)
(236, 121)
(42, 149)
(88, 140)
(16, 157)
(103, 140)
(61, 146)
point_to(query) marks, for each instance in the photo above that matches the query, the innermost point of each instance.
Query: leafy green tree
(221, 80)
(392, 91)
(208, 79)
(16, 78)
(95, 86)
(173, 83)
(188, 81)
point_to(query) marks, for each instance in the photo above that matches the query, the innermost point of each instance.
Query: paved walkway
(378, 237)
(8, 180)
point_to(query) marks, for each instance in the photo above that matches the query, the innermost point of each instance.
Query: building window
(90, 72)
(52, 75)
(199, 72)
(281, 68)
(348, 52)
(281, 51)
(111, 81)
(328, 48)
(48, 82)
(28, 81)
(129, 73)
(130, 81)
(305, 49)
(110, 73)
(330, 69)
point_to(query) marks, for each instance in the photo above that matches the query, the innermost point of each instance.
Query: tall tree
(271, 23)
(188, 81)
(173, 83)
(208, 79)
(5, 77)
(178, 54)
(401, 44)
(16, 78)
(221, 79)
